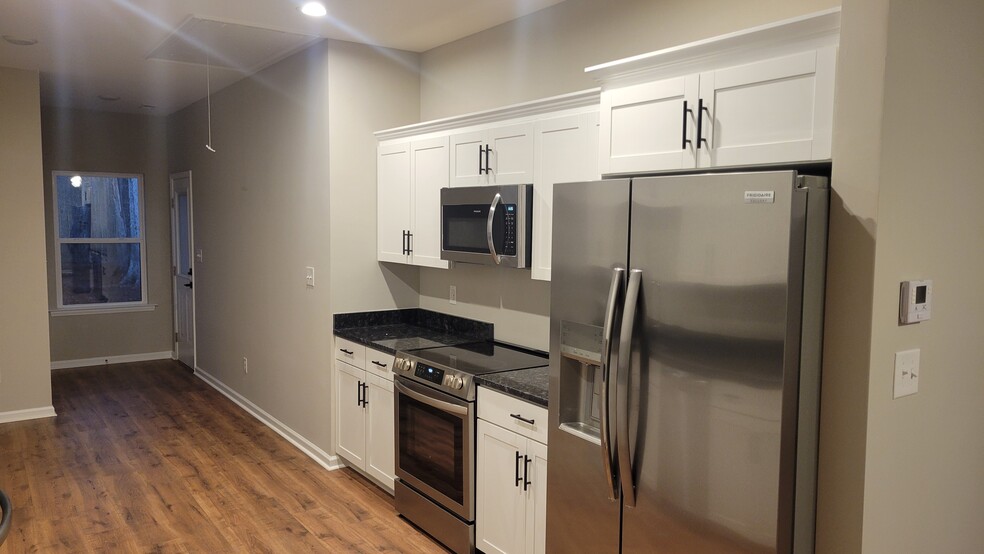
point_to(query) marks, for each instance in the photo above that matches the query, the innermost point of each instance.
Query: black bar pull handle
(488, 169)
(481, 150)
(409, 243)
(349, 352)
(358, 394)
(686, 111)
(518, 478)
(523, 419)
(380, 364)
(365, 394)
(526, 473)
(700, 122)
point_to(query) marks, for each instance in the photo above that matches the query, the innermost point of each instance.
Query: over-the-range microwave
(490, 225)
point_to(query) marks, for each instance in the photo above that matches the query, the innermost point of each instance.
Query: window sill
(61, 312)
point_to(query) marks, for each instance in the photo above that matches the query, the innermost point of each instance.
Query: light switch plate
(906, 373)
(309, 276)
(199, 256)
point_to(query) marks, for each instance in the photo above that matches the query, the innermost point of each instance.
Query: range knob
(457, 383)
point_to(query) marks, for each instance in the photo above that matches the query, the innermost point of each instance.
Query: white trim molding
(312, 450)
(118, 309)
(24, 415)
(105, 360)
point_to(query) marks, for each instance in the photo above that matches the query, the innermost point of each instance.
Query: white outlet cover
(906, 373)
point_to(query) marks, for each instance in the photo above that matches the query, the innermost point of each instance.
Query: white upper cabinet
(495, 156)
(409, 178)
(393, 194)
(429, 167)
(649, 126)
(565, 152)
(760, 96)
(776, 110)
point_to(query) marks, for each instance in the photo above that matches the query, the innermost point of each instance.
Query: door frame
(174, 264)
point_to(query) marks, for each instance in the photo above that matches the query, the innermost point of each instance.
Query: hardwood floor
(145, 457)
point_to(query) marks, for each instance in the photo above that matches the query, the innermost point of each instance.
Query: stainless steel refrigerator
(685, 341)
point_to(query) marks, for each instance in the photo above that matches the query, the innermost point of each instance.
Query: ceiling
(130, 49)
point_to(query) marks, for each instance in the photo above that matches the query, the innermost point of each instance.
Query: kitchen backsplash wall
(518, 306)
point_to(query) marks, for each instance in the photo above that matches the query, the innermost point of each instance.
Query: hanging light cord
(208, 102)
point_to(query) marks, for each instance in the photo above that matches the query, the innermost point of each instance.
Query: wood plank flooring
(145, 457)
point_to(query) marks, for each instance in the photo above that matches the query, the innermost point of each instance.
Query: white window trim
(104, 307)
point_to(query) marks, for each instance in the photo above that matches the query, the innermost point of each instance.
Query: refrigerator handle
(614, 295)
(488, 228)
(622, 388)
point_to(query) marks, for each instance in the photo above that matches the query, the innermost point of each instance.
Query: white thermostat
(914, 301)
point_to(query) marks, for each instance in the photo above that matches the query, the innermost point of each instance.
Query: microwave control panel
(509, 248)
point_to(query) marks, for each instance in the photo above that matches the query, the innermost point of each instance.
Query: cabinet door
(511, 159)
(776, 110)
(644, 127)
(565, 152)
(468, 159)
(392, 201)
(350, 415)
(429, 167)
(380, 457)
(500, 515)
(536, 499)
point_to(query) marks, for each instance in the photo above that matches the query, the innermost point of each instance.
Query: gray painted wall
(79, 140)
(25, 377)
(292, 185)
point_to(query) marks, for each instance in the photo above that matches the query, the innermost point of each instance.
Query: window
(100, 253)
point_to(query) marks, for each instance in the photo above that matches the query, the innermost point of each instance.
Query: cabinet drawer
(350, 352)
(379, 363)
(500, 409)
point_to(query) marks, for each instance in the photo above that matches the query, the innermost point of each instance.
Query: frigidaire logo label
(760, 196)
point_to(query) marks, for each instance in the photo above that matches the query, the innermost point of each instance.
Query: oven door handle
(432, 402)
(488, 228)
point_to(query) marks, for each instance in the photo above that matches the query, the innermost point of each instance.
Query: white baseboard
(87, 362)
(24, 415)
(323, 458)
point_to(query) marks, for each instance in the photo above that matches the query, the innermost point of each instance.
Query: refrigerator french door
(685, 332)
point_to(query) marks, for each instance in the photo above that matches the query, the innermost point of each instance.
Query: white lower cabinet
(511, 488)
(363, 399)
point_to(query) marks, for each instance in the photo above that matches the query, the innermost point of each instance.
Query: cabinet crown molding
(805, 32)
(589, 97)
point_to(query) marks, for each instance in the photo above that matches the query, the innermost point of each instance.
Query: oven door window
(466, 226)
(432, 447)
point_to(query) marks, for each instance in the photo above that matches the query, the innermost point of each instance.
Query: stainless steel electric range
(435, 434)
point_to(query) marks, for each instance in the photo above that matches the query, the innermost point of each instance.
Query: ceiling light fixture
(314, 9)
(147, 106)
(76, 181)
(20, 41)
(106, 98)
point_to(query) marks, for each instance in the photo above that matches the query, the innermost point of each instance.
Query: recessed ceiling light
(105, 98)
(147, 106)
(314, 9)
(20, 41)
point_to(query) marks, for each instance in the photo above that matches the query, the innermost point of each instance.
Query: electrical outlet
(309, 276)
(245, 365)
(453, 295)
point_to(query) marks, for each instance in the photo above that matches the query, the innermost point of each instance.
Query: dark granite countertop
(528, 384)
(409, 329)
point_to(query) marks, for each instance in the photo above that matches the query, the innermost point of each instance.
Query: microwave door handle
(615, 292)
(432, 402)
(488, 228)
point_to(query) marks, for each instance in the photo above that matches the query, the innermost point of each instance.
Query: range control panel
(448, 380)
